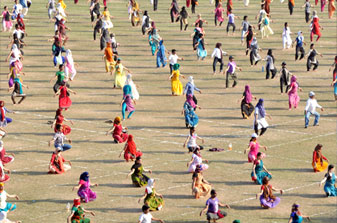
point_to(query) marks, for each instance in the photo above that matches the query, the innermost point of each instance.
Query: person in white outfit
(310, 109)
(286, 37)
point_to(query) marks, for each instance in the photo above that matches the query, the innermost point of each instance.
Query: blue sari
(329, 186)
(191, 119)
(260, 173)
(161, 57)
(202, 53)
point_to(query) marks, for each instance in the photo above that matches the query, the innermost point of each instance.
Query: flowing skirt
(259, 177)
(202, 190)
(155, 203)
(139, 181)
(294, 99)
(87, 195)
(176, 87)
(330, 190)
(320, 166)
(268, 203)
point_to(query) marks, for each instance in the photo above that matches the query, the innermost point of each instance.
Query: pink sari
(294, 99)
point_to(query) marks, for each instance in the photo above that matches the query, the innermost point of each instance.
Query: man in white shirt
(310, 109)
(59, 139)
(173, 58)
(146, 216)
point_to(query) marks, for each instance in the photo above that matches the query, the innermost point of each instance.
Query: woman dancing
(84, 191)
(3, 119)
(151, 197)
(64, 99)
(137, 176)
(176, 85)
(259, 171)
(127, 105)
(247, 107)
(200, 186)
(260, 121)
(284, 77)
(329, 180)
(70, 70)
(130, 150)
(294, 99)
(5, 157)
(267, 198)
(296, 216)
(118, 131)
(57, 163)
(253, 148)
(191, 119)
(270, 65)
(59, 119)
(286, 38)
(195, 161)
(254, 55)
(77, 213)
(319, 162)
(191, 141)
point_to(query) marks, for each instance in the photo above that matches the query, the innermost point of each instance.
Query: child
(18, 90)
(312, 60)
(299, 45)
(231, 22)
(146, 216)
(6, 20)
(307, 6)
(173, 58)
(191, 141)
(230, 71)
(176, 85)
(212, 208)
(218, 54)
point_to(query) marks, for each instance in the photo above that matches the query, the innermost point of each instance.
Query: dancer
(312, 58)
(133, 86)
(299, 45)
(260, 121)
(259, 170)
(212, 210)
(307, 7)
(98, 26)
(6, 20)
(18, 90)
(59, 119)
(137, 176)
(145, 22)
(231, 17)
(291, 5)
(173, 58)
(197, 160)
(318, 162)
(130, 150)
(329, 180)
(247, 107)
(294, 99)
(57, 163)
(287, 42)
(77, 213)
(174, 11)
(135, 13)
(267, 198)
(176, 85)
(190, 88)
(193, 3)
(3, 176)
(147, 217)
(191, 119)
(270, 67)
(5, 157)
(3, 119)
(191, 141)
(160, 52)
(331, 8)
(218, 15)
(84, 191)
(107, 19)
(94, 10)
(118, 131)
(110, 62)
(315, 28)
(218, 54)
(296, 216)
(201, 51)
(230, 72)
(183, 15)
(200, 186)
(265, 26)
(244, 29)
(284, 77)
(61, 77)
(51, 9)
(253, 148)
(70, 70)
(151, 198)
(64, 99)
(6, 206)
(254, 55)
(127, 105)
(334, 79)
(310, 109)
(260, 15)
(59, 139)
(154, 38)
(120, 76)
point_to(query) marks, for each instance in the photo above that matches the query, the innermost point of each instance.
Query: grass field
(158, 125)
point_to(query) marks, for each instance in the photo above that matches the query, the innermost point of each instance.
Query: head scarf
(2, 110)
(176, 66)
(131, 145)
(260, 106)
(248, 94)
(149, 187)
(77, 202)
(84, 176)
(117, 120)
(191, 80)
(128, 79)
(293, 79)
(189, 99)
(69, 57)
(254, 42)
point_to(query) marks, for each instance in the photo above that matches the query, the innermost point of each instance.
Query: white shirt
(312, 105)
(217, 53)
(173, 59)
(3, 198)
(18, 8)
(19, 33)
(59, 137)
(192, 142)
(286, 33)
(145, 218)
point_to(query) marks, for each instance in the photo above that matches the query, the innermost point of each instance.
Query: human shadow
(97, 161)
(117, 185)
(178, 196)
(35, 173)
(246, 208)
(43, 201)
(171, 172)
(120, 210)
(304, 170)
(169, 152)
(239, 183)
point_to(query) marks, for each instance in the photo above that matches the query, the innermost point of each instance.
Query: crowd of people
(102, 27)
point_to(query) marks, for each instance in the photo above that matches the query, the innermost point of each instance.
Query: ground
(158, 125)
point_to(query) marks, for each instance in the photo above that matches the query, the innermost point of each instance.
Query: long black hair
(270, 53)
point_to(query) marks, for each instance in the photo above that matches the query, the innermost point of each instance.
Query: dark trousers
(92, 14)
(193, 6)
(216, 60)
(272, 71)
(233, 76)
(307, 17)
(216, 21)
(251, 58)
(195, 99)
(310, 63)
(291, 8)
(155, 4)
(171, 14)
(263, 130)
(283, 82)
(171, 68)
(96, 30)
(299, 49)
(232, 25)
(181, 25)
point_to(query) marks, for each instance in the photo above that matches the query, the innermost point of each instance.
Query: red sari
(64, 99)
(229, 6)
(3, 177)
(118, 134)
(56, 163)
(131, 150)
(4, 157)
(267, 6)
(188, 3)
(65, 129)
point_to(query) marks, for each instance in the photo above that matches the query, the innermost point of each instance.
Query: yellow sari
(176, 85)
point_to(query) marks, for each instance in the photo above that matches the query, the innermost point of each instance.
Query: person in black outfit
(194, 3)
(312, 60)
(98, 26)
(284, 78)
(155, 4)
(95, 9)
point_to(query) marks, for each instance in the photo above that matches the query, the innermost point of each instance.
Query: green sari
(78, 216)
(153, 201)
(138, 178)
